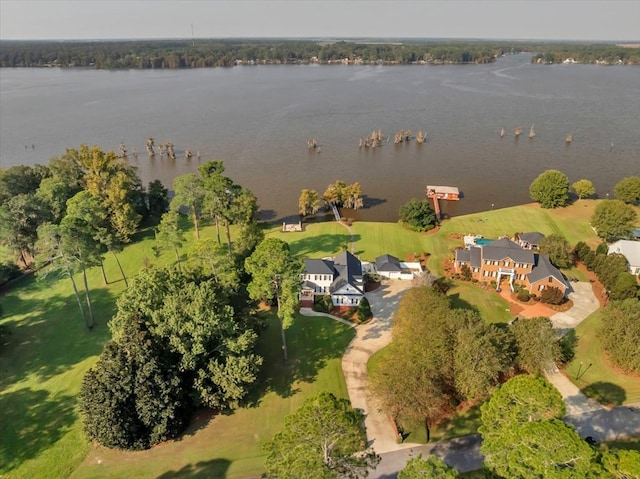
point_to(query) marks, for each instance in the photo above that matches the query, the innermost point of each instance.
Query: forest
(205, 53)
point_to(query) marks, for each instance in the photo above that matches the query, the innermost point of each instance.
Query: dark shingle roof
(543, 269)
(349, 269)
(319, 266)
(532, 238)
(503, 248)
(473, 256)
(386, 262)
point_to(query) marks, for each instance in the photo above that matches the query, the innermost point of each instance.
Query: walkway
(369, 339)
(351, 237)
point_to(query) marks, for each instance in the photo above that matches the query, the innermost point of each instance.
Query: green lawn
(317, 240)
(230, 446)
(492, 307)
(592, 372)
(46, 355)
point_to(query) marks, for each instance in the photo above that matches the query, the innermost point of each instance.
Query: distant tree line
(585, 53)
(205, 53)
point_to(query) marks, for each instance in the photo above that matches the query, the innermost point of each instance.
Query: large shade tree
(324, 438)
(134, 396)
(538, 345)
(628, 190)
(613, 219)
(550, 189)
(275, 275)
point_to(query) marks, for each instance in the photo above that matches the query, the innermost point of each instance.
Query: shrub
(465, 272)
(552, 295)
(364, 310)
(493, 284)
(524, 296)
(589, 260)
(625, 287)
(323, 304)
(440, 286)
(8, 271)
(581, 250)
(603, 248)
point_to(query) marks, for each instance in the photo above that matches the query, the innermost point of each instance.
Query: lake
(258, 120)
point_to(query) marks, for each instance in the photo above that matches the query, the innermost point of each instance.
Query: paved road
(463, 453)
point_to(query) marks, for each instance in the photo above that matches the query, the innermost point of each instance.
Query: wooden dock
(436, 193)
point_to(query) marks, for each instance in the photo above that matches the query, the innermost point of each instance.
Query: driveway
(584, 303)
(369, 339)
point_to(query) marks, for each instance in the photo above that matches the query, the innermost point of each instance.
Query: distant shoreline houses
(518, 264)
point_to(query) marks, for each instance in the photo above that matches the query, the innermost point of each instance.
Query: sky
(506, 19)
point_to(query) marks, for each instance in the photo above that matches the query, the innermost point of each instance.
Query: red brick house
(503, 260)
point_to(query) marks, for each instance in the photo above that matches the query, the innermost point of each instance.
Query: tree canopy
(133, 397)
(550, 189)
(613, 219)
(324, 438)
(620, 332)
(583, 188)
(275, 274)
(430, 468)
(537, 344)
(418, 215)
(628, 190)
(558, 249)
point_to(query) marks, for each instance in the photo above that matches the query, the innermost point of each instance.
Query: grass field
(230, 446)
(49, 350)
(592, 372)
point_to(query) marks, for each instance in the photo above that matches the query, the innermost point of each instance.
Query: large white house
(630, 250)
(341, 277)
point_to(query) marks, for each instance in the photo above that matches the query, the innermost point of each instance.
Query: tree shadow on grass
(311, 342)
(47, 335)
(606, 393)
(32, 421)
(325, 242)
(459, 303)
(213, 469)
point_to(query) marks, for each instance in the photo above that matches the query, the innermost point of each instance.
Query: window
(475, 270)
(541, 287)
(486, 273)
(506, 263)
(550, 279)
(494, 274)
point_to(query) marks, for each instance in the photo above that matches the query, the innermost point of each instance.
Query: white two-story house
(340, 277)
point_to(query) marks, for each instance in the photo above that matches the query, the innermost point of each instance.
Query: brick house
(505, 260)
(340, 277)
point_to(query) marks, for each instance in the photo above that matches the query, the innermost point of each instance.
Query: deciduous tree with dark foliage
(418, 215)
(133, 397)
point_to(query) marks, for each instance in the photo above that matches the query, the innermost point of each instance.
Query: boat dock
(437, 193)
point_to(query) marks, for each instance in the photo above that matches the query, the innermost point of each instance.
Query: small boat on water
(532, 132)
(502, 133)
(569, 138)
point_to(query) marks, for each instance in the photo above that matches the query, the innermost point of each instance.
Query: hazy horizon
(590, 21)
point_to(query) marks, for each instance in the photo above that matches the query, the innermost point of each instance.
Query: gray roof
(473, 256)
(386, 262)
(349, 270)
(532, 238)
(308, 285)
(504, 248)
(543, 269)
(629, 249)
(319, 266)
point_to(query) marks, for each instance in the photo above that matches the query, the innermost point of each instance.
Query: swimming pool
(483, 241)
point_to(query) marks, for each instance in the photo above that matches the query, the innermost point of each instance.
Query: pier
(437, 193)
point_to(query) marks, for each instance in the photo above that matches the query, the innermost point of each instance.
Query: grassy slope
(600, 380)
(230, 446)
(42, 365)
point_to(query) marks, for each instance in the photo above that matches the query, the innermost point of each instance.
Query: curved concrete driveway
(369, 339)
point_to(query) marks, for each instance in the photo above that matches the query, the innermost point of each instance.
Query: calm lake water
(258, 120)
